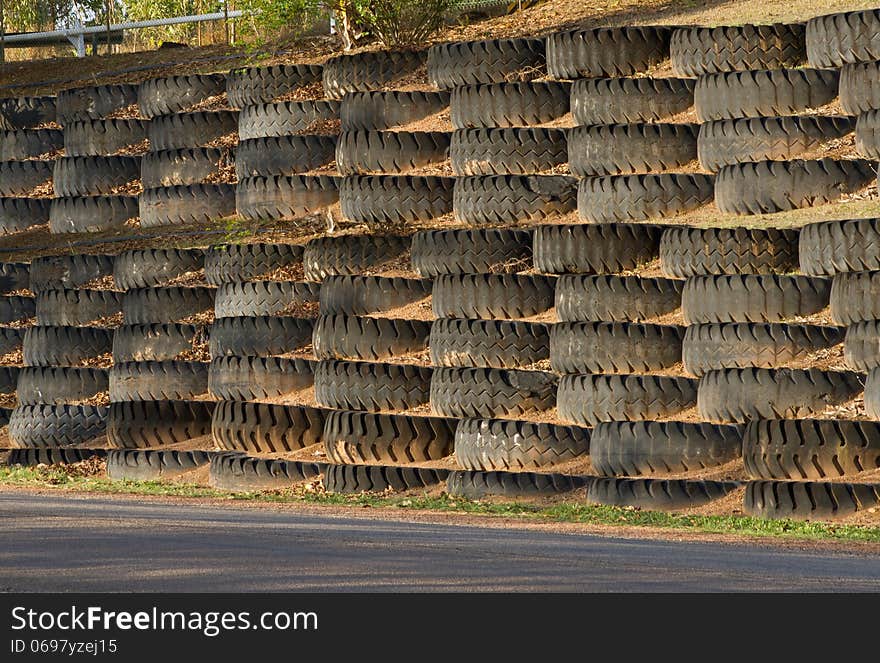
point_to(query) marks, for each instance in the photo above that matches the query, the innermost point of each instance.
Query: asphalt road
(99, 544)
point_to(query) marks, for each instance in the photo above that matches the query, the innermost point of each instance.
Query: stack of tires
(187, 175)
(159, 418)
(767, 120)
(812, 468)
(371, 342)
(394, 147)
(30, 141)
(63, 385)
(17, 309)
(509, 164)
(288, 139)
(97, 182)
(261, 369)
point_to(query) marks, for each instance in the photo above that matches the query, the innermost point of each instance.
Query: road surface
(67, 543)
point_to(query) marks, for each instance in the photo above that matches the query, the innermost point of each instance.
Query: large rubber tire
(76, 308)
(688, 252)
(394, 152)
(837, 39)
(508, 104)
(177, 94)
(459, 63)
(11, 340)
(810, 449)
(16, 308)
(872, 394)
(614, 347)
(860, 87)
(382, 201)
(69, 271)
(137, 465)
(65, 346)
(741, 394)
(21, 178)
(499, 444)
(14, 276)
(830, 247)
(349, 385)
(518, 151)
(90, 214)
(655, 448)
(378, 111)
(729, 142)
(854, 297)
(157, 342)
(158, 380)
(658, 494)
(588, 399)
(868, 134)
(93, 103)
(861, 348)
(374, 70)
(505, 199)
(622, 149)
(352, 254)
(52, 385)
(284, 155)
(237, 472)
(148, 268)
(50, 456)
(488, 343)
(372, 339)
(194, 203)
(622, 198)
(581, 298)
(763, 93)
(361, 438)
(606, 52)
(51, 426)
(348, 479)
(259, 298)
(259, 378)
(605, 248)
(285, 197)
(182, 130)
(9, 380)
(191, 165)
(491, 392)
(475, 485)
(266, 428)
(231, 263)
(249, 86)
(20, 144)
(96, 175)
(103, 137)
(492, 296)
(478, 251)
(366, 295)
(760, 345)
(752, 298)
(171, 304)
(286, 118)
(27, 112)
(17, 214)
(808, 500)
(697, 51)
(150, 424)
(263, 336)
(629, 100)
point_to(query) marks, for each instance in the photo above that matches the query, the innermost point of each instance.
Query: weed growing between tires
(88, 476)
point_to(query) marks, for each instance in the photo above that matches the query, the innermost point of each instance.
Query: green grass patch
(66, 478)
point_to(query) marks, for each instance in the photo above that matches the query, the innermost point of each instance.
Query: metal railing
(77, 34)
